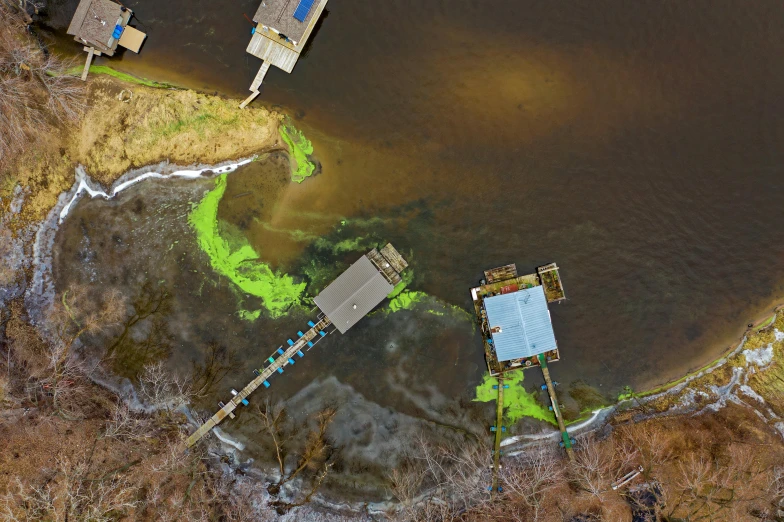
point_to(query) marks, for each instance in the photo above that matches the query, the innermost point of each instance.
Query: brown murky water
(638, 144)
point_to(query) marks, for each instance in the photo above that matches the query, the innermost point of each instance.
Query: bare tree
(530, 478)
(163, 389)
(69, 494)
(36, 94)
(312, 463)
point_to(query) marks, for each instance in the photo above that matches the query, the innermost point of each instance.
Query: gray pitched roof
(521, 322)
(279, 14)
(353, 294)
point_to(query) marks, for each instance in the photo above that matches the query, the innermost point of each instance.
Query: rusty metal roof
(353, 294)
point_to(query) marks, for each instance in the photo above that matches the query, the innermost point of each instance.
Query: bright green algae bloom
(518, 403)
(299, 149)
(406, 300)
(232, 256)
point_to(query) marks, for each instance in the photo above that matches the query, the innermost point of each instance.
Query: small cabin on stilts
(102, 25)
(282, 30)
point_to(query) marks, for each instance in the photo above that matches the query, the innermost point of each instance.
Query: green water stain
(518, 403)
(294, 234)
(346, 245)
(299, 149)
(435, 312)
(249, 315)
(105, 69)
(406, 300)
(232, 256)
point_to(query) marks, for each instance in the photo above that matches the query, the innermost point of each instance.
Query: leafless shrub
(440, 481)
(36, 94)
(69, 495)
(529, 479)
(163, 389)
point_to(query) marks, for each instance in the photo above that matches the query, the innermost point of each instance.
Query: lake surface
(637, 144)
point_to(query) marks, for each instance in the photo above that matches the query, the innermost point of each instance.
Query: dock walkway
(567, 441)
(279, 363)
(499, 420)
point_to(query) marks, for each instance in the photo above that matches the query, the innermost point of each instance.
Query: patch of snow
(761, 356)
(747, 391)
(779, 335)
(84, 182)
(226, 439)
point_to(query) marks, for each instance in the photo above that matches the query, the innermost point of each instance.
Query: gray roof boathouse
(282, 30)
(102, 25)
(361, 287)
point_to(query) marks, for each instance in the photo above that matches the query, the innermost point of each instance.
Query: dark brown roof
(279, 15)
(94, 23)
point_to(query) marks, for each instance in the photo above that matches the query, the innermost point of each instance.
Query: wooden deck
(263, 45)
(280, 362)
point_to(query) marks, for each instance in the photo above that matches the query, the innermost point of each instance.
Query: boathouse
(282, 30)
(102, 25)
(514, 317)
(520, 325)
(361, 287)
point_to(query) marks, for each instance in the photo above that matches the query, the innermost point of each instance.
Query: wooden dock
(499, 419)
(280, 362)
(567, 441)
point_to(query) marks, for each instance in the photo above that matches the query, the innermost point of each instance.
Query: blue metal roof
(303, 9)
(524, 322)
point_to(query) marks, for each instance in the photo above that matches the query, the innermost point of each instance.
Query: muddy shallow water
(635, 144)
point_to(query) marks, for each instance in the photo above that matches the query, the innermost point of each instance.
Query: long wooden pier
(567, 441)
(277, 363)
(499, 419)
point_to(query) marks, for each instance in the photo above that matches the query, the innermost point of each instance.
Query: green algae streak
(232, 256)
(518, 403)
(406, 300)
(407, 278)
(105, 69)
(299, 150)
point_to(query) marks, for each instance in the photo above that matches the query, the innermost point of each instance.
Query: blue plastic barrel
(280, 350)
(322, 333)
(266, 384)
(291, 361)
(291, 343)
(310, 344)
(310, 323)
(245, 402)
(301, 355)
(280, 370)
(271, 360)
(300, 333)
(252, 30)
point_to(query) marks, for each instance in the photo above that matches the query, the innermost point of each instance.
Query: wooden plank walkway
(280, 362)
(499, 420)
(567, 441)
